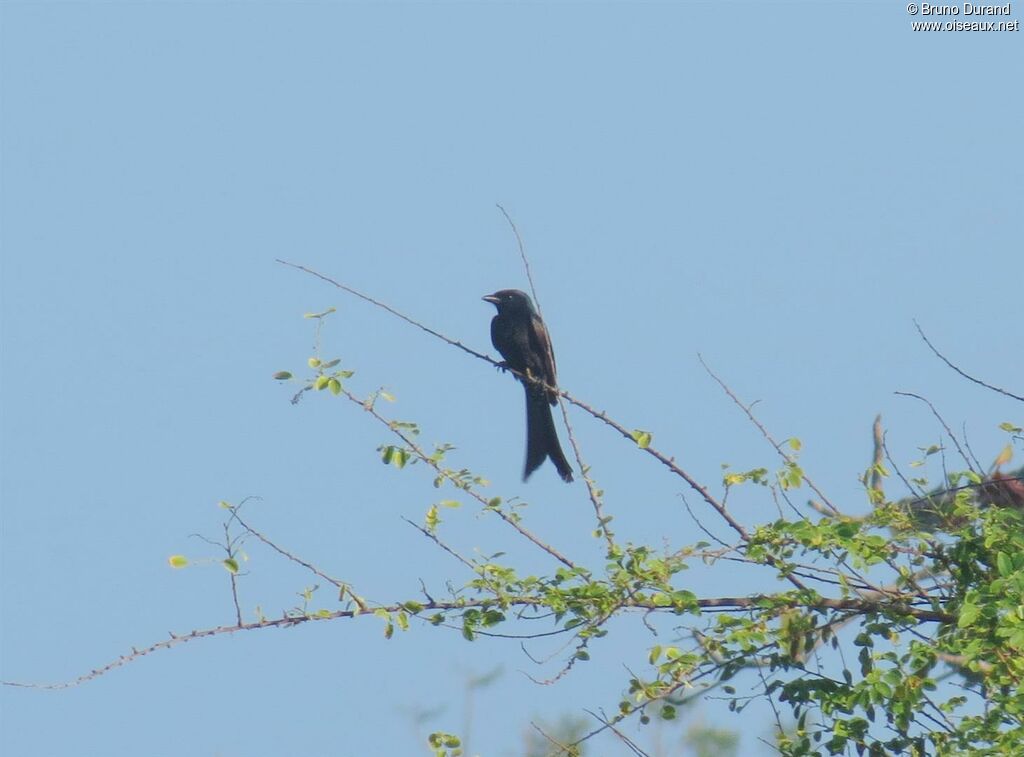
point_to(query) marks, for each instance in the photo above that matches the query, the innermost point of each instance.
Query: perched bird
(519, 334)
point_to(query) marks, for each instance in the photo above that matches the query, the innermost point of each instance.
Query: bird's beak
(493, 299)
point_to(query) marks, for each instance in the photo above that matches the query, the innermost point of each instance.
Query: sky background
(781, 187)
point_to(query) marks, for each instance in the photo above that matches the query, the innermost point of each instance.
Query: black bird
(519, 334)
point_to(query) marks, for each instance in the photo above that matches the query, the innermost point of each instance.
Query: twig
(424, 457)
(522, 251)
(229, 548)
(945, 425)
(967, 446)
(384, 306)
(433, 537)
(700, 525)
(766, 434)
(622, 737)
(344, 588)
(967, 376)
(562, 748)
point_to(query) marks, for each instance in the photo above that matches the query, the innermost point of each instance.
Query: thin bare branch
(967, 376)
(434, 538)
(345, 588)
(622, 737)
(949, 431)
(522, 252)
(562, 748)
(429, 460)
(700, 525)
(766, 434)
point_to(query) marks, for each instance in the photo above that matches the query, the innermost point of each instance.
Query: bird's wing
(540, 343)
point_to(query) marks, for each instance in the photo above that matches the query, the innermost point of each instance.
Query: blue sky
(781, 187)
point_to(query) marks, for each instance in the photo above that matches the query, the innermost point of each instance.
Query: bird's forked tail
(541, 436)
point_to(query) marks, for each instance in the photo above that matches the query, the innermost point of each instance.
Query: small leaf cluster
(445, 744)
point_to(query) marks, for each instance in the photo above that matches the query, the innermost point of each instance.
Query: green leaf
(432, 519)
(396, 456)
(847, 529)
(177, 561)
(320, 315)
(1004, 563)
(231, 564)
(642, 438)
(321, 382)
(1016, 639)
(334, 385)
(282, 375)
(968, 614)
(314, 362)
(795, 444)
(389, 627)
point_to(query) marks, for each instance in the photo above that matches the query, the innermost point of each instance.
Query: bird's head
(510, 301)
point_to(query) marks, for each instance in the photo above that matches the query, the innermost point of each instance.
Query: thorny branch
(733, 603)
